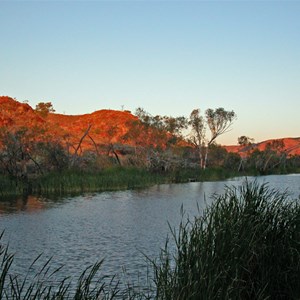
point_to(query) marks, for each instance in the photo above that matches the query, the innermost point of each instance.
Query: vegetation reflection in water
(246, 245)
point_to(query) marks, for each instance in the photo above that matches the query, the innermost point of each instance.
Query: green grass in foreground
(245, 246)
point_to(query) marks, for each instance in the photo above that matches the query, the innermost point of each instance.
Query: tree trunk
(205, 158)
(267, 162)
(117, 157)
(200, 157)
(82, 138)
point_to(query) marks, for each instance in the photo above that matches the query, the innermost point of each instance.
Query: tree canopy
(44, 108)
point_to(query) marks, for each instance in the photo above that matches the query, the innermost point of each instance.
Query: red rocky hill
(290, 145)
(101, 127)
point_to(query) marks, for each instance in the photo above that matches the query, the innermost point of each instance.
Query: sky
(168, 57)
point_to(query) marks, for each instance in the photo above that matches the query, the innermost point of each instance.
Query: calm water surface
(117, 226)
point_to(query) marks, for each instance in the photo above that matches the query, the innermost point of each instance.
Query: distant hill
(290, 145)
(102, 126)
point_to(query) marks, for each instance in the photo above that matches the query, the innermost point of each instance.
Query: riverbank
(110, 179)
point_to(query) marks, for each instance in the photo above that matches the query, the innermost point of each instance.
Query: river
(118, 226)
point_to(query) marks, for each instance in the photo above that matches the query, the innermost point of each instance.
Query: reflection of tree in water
(25, 203)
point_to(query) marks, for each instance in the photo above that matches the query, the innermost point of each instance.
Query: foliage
(17, 153)
(217, 156)
(44, 108)
(232, 161)
(218, 121)
(245, 140)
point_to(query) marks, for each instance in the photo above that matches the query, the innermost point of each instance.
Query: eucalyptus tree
(218, 121)
(175, 127)
(44, 108)
(245, 142)
(197, 135)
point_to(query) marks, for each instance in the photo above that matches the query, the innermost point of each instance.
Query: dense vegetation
(245, 246)
(28, 166)
(39, 155)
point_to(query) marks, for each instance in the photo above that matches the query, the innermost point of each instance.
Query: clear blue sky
(168, 57)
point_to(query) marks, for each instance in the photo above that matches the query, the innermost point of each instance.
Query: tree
(218, 121)
(44, 108)
(217, 155)
(245, 140)
(197, 136)
(246, 143)
(175, 126)
(18, 154)
(274, 151)
(232, 161)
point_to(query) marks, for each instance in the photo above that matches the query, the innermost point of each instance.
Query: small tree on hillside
(44, 108)
(245, 142)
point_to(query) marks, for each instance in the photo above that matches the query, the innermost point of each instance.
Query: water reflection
(25, 203)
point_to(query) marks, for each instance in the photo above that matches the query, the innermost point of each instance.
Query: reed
(48, 283)
(115, 178)
(76, 181)
(245, 246)
(9, 187)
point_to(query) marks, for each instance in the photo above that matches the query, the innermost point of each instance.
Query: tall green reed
(42, 281)
(245, 246)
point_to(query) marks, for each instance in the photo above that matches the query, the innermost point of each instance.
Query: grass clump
(245, 246)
